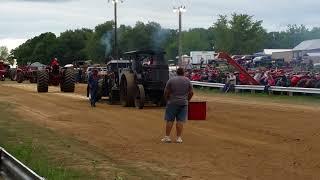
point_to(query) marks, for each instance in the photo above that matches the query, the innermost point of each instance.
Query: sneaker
(166, 139)
(179, 140)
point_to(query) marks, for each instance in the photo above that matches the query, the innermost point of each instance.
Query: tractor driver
(55, 65)
(54, 62)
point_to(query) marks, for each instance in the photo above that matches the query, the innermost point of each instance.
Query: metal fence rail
(13, 169)
(289, 90)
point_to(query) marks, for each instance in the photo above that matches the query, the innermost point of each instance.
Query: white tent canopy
(37, 64)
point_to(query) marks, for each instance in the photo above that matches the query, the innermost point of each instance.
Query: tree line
(236, 34)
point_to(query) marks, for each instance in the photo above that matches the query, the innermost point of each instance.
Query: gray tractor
(136, 81)
(144, 81)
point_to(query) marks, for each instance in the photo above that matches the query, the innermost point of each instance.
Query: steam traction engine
(55, 76)
(145, 80)
(138, 80)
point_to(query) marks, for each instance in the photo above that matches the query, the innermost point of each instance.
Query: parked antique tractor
(12, 74)
(54, 75)
(26, 73)
(3, 71)
(81, 68)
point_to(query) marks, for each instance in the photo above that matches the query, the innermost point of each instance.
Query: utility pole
(115, 51)
(115, 31)
(180, 9)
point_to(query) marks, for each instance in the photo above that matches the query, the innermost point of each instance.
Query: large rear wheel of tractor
(101, 89)
(20, 77)
(12, 74)
(68, 83)
(139, 97)
(111, 100)
(43, 81)
(127, 90)
(33, 80)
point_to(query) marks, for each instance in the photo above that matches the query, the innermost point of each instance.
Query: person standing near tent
(201, 62)
(178, 93)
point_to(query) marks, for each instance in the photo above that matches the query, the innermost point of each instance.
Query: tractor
(26, 73)
(12, 74)
(139, 80)
(145, 80)
(81, 68)
(54, 75)
(109, 78)
(3, 71)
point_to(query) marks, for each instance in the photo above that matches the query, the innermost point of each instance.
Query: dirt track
(242, 139)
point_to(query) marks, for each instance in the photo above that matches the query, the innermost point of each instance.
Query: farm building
(287, 56)
(309, 49)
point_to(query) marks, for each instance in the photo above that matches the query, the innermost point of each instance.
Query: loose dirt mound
(242, 138)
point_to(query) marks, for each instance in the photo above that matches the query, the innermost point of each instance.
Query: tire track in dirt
(257, 140)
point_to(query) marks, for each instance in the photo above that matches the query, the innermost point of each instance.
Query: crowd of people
(267, 76)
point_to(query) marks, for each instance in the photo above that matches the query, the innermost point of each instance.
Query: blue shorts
(176, 112)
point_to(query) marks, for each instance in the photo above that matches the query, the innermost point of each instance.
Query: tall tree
(4, 53)
(35, 49)
(240, 35)
(71, 45)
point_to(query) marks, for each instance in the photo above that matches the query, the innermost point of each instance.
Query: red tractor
(3, 71)
(26, 73)
(55, 76)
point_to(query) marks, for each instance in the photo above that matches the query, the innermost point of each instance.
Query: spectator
(269, 82)
(201, 62)
(258, 76)
(189, 67)
(283, 81)
(230, 83)
(178, 92)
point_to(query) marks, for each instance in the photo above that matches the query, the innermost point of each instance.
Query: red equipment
(195, 76)
(3, 71)
(54, 75)
(245, 75)
(26, 73)
(197, 111)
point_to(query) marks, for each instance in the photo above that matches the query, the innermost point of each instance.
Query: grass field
(22, 140)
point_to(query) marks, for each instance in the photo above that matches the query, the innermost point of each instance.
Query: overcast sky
(23, 19)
